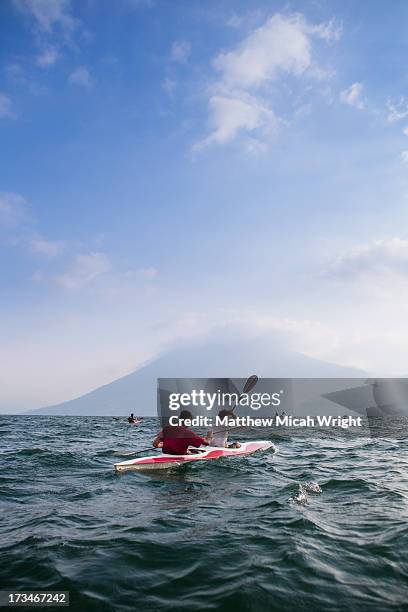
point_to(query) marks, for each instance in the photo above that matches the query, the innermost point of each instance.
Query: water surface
(235, 534)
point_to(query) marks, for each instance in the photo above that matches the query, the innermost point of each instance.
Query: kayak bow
(203, 453)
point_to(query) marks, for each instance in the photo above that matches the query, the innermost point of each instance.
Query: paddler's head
(185, 415)
(226, 413)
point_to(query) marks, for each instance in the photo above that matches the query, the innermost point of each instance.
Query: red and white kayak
(203, 453)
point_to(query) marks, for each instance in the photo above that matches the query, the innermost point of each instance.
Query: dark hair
(185, 414)
(226, 413)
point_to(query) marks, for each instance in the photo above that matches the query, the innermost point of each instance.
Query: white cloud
(405, 131)
(18, 220)
(404, 156)
(330, 31)
(48, 248)
(48, 14)
(82, 77)
(50, 21)
(229, 115)
(180, 51)
(379, 257)
(13, 210)
(281, 46)
(85, 269)
(397, 109)
(6, 109)
(352, 96)
(302, 335)
(48, 57)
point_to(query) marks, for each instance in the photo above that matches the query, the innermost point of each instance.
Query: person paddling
(131, 418)
(219, 435)
(175, 439)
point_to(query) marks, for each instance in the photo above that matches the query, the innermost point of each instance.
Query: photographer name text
(277, 421)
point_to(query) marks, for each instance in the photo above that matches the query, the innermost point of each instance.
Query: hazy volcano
(136, 392)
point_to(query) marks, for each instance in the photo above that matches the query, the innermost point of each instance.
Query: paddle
(249, 385)
(126, 453)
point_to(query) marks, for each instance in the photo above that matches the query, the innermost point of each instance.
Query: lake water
(246, 534)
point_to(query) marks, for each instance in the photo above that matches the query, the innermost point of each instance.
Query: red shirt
(177, 439)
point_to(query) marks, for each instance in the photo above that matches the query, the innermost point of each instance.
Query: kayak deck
(203, 453)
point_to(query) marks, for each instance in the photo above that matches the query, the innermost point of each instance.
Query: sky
(168, 169)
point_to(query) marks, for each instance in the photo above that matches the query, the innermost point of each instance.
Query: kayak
(203, 453)
(134, 422)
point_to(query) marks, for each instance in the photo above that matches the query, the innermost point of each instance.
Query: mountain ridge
(136, 392)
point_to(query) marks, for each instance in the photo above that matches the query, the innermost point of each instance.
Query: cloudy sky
(170, 168)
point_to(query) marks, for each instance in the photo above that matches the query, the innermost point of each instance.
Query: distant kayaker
(175, 439)
(219, 435)
(131, 418)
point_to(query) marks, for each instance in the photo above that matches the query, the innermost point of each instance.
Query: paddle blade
(250, 383)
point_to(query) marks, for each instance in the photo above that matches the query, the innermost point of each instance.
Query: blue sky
(170, 168)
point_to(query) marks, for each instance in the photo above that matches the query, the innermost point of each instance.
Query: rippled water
(236, 534)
